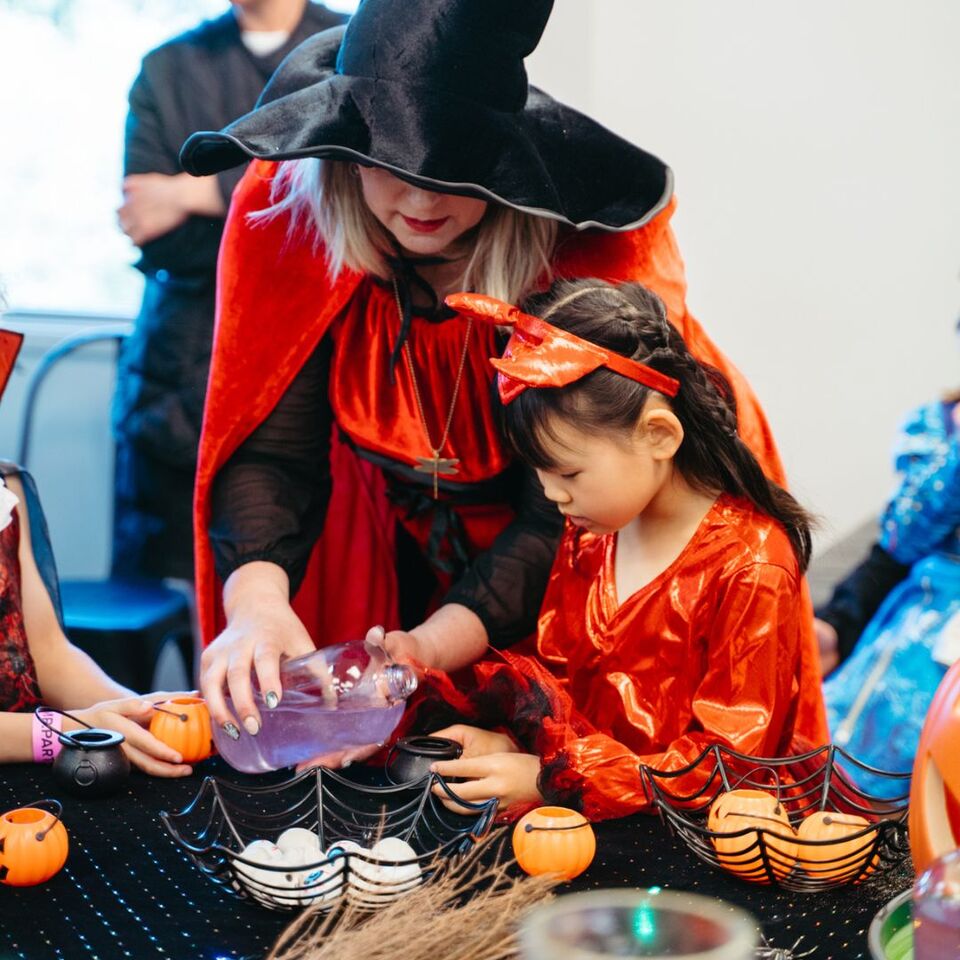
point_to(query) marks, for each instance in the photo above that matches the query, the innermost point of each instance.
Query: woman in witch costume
(348, 412)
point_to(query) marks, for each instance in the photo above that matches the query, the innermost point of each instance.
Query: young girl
(673, 616)
(38, 665)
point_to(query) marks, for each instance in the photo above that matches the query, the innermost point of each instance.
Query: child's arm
(71, 680)
(67, 676)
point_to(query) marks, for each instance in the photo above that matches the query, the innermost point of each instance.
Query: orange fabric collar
(542, 355)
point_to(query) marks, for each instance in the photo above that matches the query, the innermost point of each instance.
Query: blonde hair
(511, 251)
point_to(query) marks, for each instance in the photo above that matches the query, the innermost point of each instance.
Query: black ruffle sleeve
(269, 500)
(504, 587)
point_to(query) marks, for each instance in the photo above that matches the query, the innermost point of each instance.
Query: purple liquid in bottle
(337, 698)
(936, 911)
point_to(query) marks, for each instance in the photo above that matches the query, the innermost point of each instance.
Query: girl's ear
(661, 431)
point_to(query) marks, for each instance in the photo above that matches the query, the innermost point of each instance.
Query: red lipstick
(424, 226)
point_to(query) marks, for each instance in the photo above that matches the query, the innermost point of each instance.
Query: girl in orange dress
(673, 616)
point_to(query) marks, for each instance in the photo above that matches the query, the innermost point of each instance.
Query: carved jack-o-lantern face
(935, 790)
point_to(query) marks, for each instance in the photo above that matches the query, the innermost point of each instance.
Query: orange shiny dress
(709, 651)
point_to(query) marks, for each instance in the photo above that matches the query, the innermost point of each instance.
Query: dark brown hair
(630, 320)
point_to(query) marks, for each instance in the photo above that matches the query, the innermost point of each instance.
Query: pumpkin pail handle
(57, 814)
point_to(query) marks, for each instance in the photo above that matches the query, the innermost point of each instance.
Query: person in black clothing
(855, 599)
(200, 79)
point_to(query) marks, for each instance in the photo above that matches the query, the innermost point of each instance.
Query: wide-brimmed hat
(435, 91)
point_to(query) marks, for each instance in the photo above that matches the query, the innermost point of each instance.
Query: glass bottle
(336, 698)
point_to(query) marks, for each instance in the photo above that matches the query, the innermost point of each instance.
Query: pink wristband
(46, 744)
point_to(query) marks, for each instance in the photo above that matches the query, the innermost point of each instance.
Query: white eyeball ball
(297, 838)
(400, 874)
(259, 882)
(379, 882)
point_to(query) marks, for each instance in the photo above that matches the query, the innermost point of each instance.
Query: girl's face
(603, 481)
(424, 223)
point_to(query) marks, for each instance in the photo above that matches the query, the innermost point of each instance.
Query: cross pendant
(437, 465)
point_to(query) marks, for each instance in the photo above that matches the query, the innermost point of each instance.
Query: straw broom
(469, 910)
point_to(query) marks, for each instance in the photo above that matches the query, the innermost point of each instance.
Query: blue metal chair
(122, 622)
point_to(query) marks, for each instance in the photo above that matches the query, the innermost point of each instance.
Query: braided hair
(630, 320)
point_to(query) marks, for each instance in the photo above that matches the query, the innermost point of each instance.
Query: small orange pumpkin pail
(554, 840)
(734, 820)
(33, 845)
(828, 854)
(184, 724)
(934, 819)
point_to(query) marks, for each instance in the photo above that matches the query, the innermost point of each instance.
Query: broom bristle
(469, 911)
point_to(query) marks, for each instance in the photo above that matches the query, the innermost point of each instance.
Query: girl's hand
(510, 777)
(476, 742)
(129, 717)
(258, 634)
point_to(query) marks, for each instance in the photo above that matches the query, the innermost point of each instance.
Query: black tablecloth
(128, 890)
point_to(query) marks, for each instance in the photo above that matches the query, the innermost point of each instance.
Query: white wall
(816, 148)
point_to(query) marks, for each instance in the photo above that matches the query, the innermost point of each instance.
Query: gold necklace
(434, 464)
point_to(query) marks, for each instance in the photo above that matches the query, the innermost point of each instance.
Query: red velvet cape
(275, 300)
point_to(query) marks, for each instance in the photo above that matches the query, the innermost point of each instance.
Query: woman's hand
(510, 777)
(129, 717)
(261, 628)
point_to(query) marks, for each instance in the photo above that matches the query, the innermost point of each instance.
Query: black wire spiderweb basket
(347, 819)
(853, 835)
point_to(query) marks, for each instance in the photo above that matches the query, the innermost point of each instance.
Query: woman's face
(424, 223)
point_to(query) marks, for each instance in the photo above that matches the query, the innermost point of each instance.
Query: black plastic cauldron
(409, 758)
(91, 762)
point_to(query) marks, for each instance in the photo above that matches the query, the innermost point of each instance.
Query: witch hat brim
(10, 344)
(547, 159)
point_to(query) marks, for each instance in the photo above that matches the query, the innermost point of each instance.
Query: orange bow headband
(541, 355)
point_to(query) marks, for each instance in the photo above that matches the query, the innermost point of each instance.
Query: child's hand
(510, 777)
(476, 742)
(129, 717)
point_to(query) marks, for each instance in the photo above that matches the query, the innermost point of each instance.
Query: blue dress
(878, 699)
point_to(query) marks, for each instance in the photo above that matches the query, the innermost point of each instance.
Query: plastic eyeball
(382, 881)
(299, 838)
(258, 882)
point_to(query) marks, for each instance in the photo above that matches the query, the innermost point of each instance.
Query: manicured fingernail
(230, 729)
(345, 764)
(433, 768)
(271, 700)
(251, 726)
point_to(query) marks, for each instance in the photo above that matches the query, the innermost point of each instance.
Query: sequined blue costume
(877, 700)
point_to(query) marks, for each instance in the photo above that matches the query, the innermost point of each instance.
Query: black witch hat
(435, 91)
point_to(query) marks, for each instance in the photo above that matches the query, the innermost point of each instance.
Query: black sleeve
(858, 596)
(504, 587)
(269, 500)
(152, 145)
